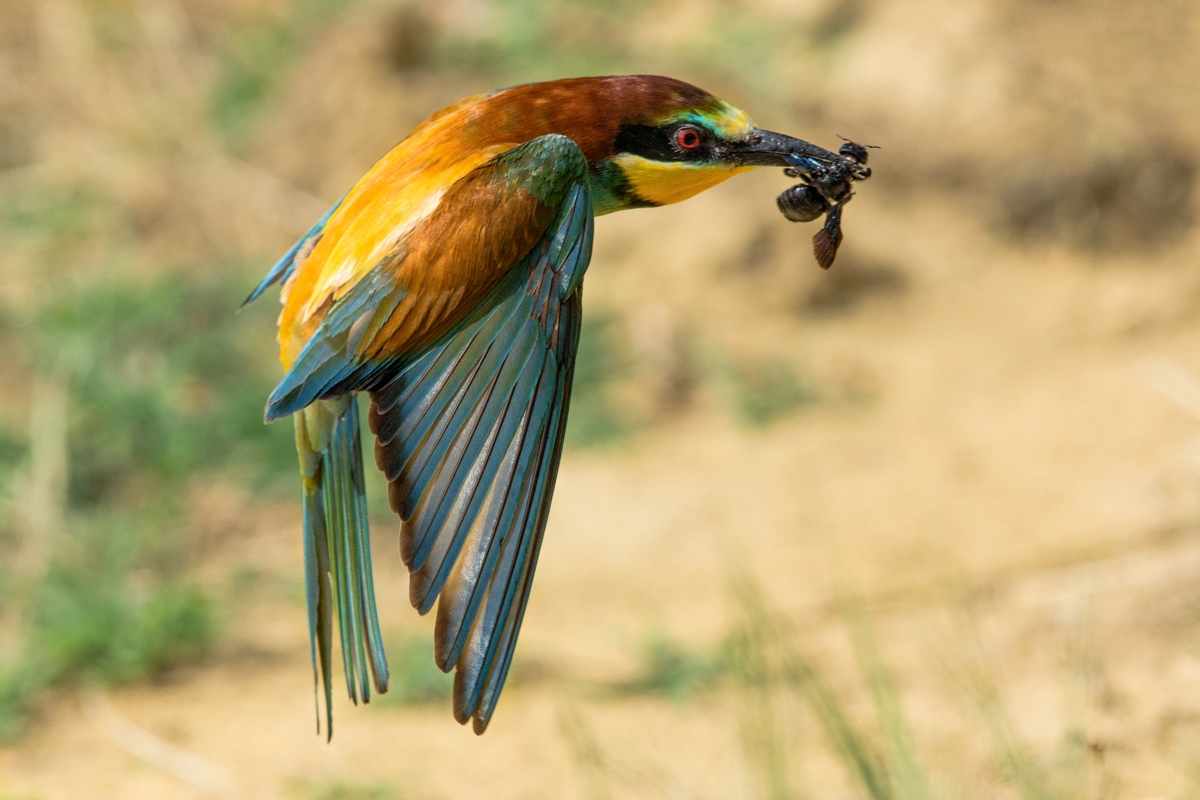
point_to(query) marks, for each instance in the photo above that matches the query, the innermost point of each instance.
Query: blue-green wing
(469, 435)
(286, 265)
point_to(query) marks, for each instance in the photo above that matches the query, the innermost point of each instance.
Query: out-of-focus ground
(983, 421)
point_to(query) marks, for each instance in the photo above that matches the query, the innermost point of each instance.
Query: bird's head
(690, 143)
(653, 140)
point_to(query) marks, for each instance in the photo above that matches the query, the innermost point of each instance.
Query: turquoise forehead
(723, 119)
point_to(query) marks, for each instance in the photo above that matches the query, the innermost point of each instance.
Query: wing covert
(440, 274)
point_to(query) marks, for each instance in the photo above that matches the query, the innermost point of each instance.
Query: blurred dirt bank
(988, 410)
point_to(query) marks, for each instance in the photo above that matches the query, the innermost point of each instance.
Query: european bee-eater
(447, 286)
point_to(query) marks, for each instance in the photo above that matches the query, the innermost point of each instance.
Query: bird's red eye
(688, 138)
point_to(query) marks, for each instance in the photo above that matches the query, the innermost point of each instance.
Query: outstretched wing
(469, 437)
(469, 370)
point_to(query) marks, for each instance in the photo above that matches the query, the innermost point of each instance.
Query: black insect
(802, 203)
(825, 188)
(855, 151)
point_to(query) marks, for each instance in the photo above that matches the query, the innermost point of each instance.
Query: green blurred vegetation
(144, 381)
(86, 623)
(671, 669)
(163, 383)
(618, 393)
(415, 679)
(527, 40)
(543, 39)
(344, 790)
(596, 419)
(165, 380)
(255, 57)
(764, 389)
(759, 389)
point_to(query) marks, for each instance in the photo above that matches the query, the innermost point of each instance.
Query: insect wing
(827, 240)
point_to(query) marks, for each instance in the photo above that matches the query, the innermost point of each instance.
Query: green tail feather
(337, 552)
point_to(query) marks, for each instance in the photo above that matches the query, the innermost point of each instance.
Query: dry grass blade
(976, 675)
(908, 778)
(586, 751)
(142, 744)
(46, 495)
(769, 659)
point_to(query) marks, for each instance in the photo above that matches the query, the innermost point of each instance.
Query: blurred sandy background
(980, 431)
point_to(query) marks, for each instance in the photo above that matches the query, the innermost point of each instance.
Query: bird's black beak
(768, 149)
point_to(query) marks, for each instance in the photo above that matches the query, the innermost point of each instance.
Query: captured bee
(802, 203)
(824, 189)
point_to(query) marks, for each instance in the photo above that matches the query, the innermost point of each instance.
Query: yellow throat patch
(663, 182)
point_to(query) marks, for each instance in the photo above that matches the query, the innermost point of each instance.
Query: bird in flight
(447, 286)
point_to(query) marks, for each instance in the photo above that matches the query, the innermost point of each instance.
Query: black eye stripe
(645, 141)
(661, 144)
